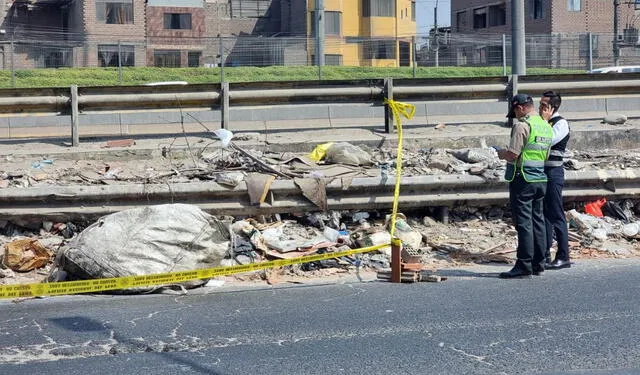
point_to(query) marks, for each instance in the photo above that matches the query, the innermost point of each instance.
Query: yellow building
(366, 32)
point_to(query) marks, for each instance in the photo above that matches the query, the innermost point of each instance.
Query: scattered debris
(24, 255)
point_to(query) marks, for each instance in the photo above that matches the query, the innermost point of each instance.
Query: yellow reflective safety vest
(530, 162)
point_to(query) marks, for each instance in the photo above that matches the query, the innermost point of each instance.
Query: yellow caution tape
(407, 111)
(125, 282)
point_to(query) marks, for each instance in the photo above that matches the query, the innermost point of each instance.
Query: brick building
(175, 32)
(567, 23)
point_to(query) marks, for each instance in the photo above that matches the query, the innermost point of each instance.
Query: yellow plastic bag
(320, 152)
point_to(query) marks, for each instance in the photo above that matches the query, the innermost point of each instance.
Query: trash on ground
(120, 143)
(142, 241)
(25, 255)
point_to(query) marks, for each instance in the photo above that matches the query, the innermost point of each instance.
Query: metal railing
(64, 203)
(74, 100)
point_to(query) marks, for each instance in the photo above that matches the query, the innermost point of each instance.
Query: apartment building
(367, 32)
(567, 23)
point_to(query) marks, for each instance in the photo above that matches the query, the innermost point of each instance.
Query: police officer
(556, 221)
(528, 149)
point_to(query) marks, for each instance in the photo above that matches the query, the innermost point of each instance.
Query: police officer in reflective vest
(553, 207)
(528, 149)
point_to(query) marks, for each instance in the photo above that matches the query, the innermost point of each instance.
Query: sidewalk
(586, 134)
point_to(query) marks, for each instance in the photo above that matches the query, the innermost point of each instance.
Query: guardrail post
(388, 114)
(224, 105)
(75, 137)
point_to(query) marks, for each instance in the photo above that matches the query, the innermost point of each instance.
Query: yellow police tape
(125, 282)
(101, 285)
(407, 111)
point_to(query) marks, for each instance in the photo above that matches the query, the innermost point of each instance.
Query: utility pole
(616, 47)
(518, 52)
(319, 22)
(436, 41)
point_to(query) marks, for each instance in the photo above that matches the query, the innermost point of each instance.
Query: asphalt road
(584, 320)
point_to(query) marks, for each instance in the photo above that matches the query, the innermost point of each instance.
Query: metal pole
(319, 22)
(616, 47)
(119, 63)
(225, 105)
(514, 91)
(13, 70)
(590, 51)
(388, 113)
(435, 35)
(221, 61)
(75, 136)
(518, 52)
(504, 55)
(414, 57)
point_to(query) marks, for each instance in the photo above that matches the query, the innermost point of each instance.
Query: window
(332, 23)
(194, 59)
(55, 58)
(378, 8)
(177, 21)
(413, 10)
(333, 59)
(250, 8)
(480, 18)
(114, 11)
(380, 49)
(108, 55)
(167, 59)
(573, 5)
(536, 9)
(637, 4)
(498, 15)
(584, 45)
(461, 20)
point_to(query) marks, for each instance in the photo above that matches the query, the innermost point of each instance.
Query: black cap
(519, 99)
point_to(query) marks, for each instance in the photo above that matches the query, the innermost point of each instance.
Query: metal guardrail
(63, 203)
(75, 100)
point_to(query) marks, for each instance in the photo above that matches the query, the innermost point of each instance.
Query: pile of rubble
(442, 237)
(230, 165)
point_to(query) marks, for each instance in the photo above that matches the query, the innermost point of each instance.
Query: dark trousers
(527, 207)
(556, 221)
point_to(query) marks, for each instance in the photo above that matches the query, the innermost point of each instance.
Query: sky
(424, 14)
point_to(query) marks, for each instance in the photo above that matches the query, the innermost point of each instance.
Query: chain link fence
(577, 51)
